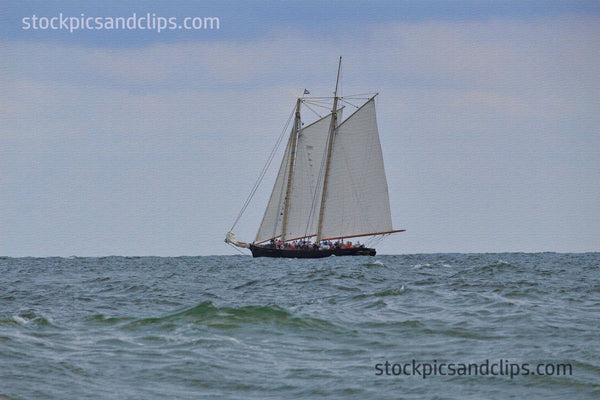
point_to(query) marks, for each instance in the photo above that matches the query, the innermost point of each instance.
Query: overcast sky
(134, 142)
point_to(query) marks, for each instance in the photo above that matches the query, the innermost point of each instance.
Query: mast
(288, 189)
(332, 128)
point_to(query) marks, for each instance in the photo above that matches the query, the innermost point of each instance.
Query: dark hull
(259, 251)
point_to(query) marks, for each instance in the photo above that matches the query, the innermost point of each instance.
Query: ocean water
(443, 326)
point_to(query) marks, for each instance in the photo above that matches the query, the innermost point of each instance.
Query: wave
(461, 333)
(384, 293)
(376, 263)
(28, 319)
(101, 319)
(249, 283)
(391, 292)
(496, 267)
(207, 313)
(395, 325)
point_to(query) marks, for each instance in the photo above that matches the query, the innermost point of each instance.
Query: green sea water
(443, 326)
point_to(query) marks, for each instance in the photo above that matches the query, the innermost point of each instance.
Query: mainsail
(357, 201)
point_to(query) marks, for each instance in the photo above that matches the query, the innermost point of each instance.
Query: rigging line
(347, 102)
(320, 103)
(265, 167)
(238, 250)
(366, 96)
(264, 170)
(369, 95)
(374, 241)
(319, 98)
(311, 109)
(324, 104)
(327, 108)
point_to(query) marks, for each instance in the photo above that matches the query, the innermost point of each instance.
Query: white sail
(301, 219)
(271, 225)
(357, 201)
(307, 185)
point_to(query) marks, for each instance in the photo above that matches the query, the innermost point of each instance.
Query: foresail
(271, 225)
(307, 185)
(357, 200)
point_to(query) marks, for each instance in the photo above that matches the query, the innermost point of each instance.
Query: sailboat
(331, 187)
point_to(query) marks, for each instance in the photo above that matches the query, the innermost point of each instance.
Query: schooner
(331, 187)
